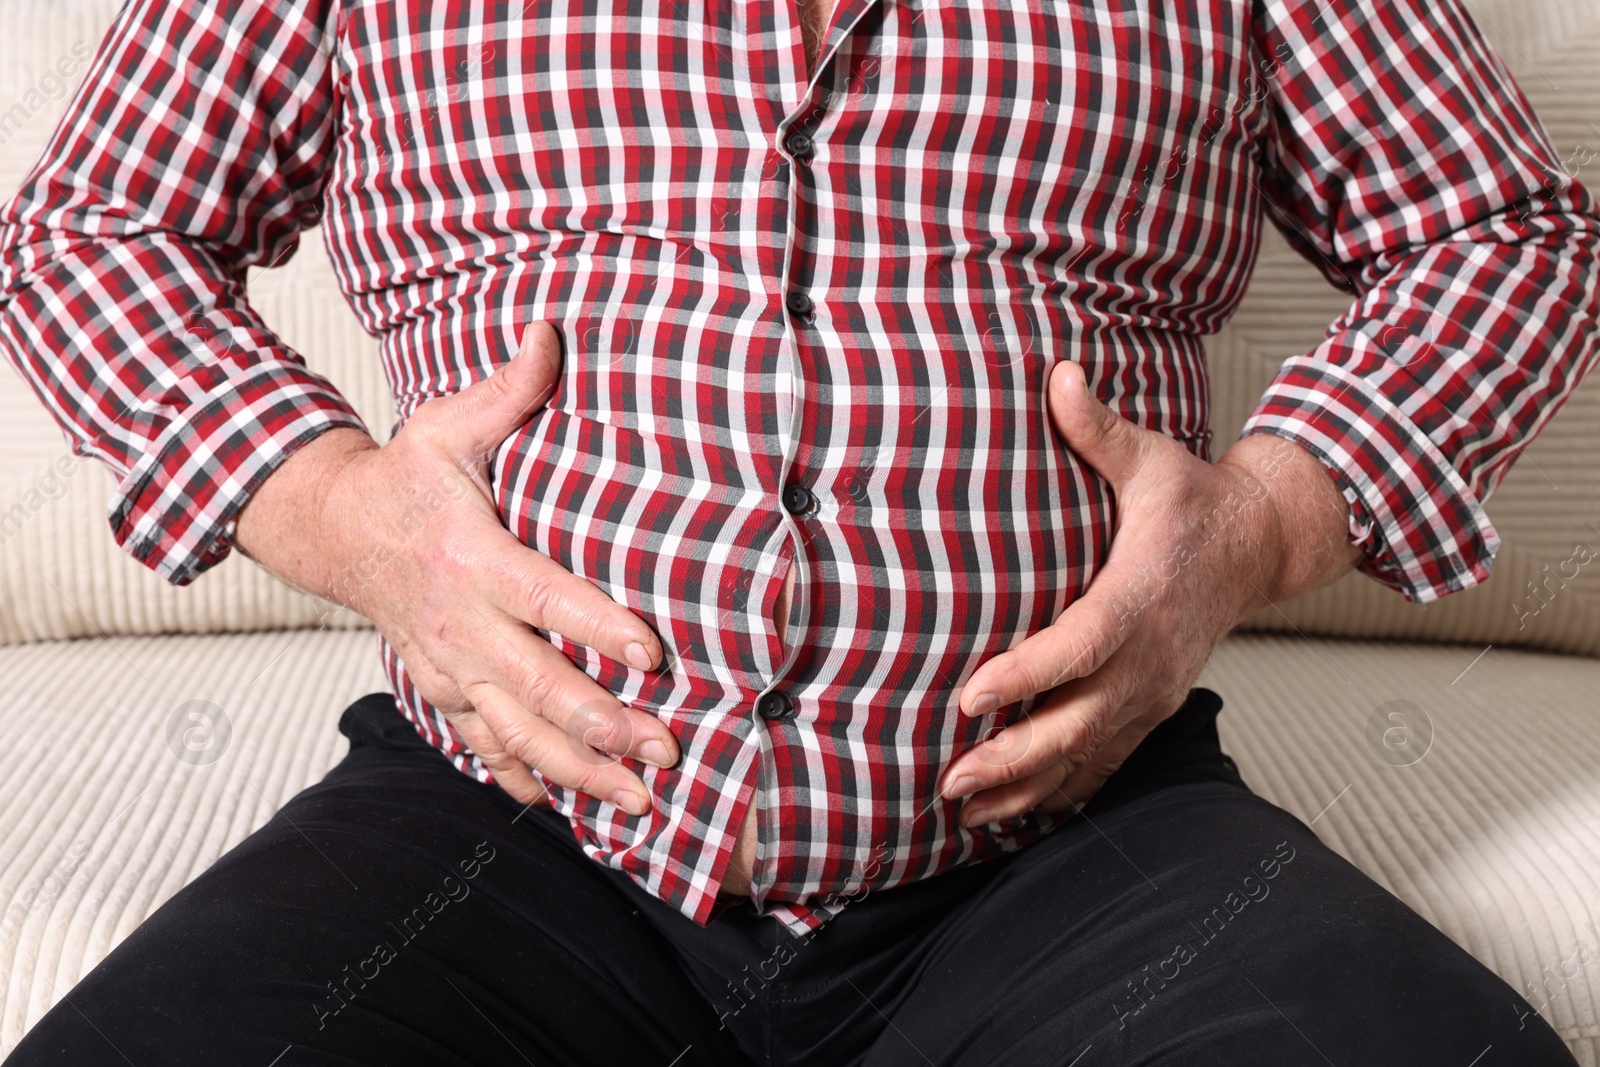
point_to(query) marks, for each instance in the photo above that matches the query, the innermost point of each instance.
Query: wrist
(292, 523)
(1304, 519)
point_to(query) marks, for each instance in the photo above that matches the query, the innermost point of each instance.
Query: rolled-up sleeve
(1402, 160)
(196, 148)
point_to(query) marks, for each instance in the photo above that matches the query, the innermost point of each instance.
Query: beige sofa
(1449, 751)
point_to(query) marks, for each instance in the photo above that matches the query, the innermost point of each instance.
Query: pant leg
(1189, 922)
(396, 912)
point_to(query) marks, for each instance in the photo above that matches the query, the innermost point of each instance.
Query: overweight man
(802, 533)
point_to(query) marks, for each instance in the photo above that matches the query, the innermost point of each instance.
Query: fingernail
(983, 705)
(636, 656)
(657, 753)
(976, 817)
(961, 787)
(630, 802)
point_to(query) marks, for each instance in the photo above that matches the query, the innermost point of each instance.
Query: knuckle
(458, 560)
(519, 743)
(590, 778)
(534, 687)
(476, 693)
(1076, 744)
(495, 387)
(1020, 675)
(438, 689)
(1009, 750)
(501, 763)
(540, 598)
(624, 735)
(1084, 650)
(599, 727)
(1105, 767)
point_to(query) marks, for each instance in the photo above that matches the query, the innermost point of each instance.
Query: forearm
(1475, 260)
(287, 526)
(123, 259)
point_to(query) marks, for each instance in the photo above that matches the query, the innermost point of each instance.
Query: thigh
(1198, 924)
(397, 912)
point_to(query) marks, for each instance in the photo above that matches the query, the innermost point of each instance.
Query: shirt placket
(801, 112)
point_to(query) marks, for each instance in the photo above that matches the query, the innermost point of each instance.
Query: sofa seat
(100, 820)
(1492, 834)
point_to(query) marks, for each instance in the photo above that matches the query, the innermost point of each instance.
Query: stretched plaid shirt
(808, 323)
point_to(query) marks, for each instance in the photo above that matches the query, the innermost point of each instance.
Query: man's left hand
(1198, 548)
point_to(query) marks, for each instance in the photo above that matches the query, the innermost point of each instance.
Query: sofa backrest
(62, 576)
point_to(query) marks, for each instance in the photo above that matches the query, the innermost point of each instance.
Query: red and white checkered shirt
(808, 322)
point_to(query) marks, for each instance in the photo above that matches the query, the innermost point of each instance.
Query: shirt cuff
(1419, 525)
(175, 511)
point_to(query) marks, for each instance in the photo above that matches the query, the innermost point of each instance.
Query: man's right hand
(409, 536)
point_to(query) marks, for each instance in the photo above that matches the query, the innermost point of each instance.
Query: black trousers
(399, 913)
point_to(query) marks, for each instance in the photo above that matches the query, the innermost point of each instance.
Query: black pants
(400, 913)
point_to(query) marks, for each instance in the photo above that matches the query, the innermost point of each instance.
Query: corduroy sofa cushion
(1493, 833)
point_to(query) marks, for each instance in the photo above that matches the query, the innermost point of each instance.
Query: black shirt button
(775, 706)
(799, 303)
(800, 145)
(797, 499)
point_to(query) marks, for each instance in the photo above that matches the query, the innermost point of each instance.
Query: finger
(1076, 645)
(1112, 445)
(1078, 787)
(434, 685)
(510, 773)
(1068, 727)
(471, 425)
(488, 646)
(530, 586)
(1012, 799)
(547, 684)
(560, 757)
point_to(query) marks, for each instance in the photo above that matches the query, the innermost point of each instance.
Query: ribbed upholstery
(1494, 835)
(87, 762)
(1547, 506)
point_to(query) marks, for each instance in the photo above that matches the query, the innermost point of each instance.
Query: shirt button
(800, 304)
(800, 145)
(797, 499)
(775, 706)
